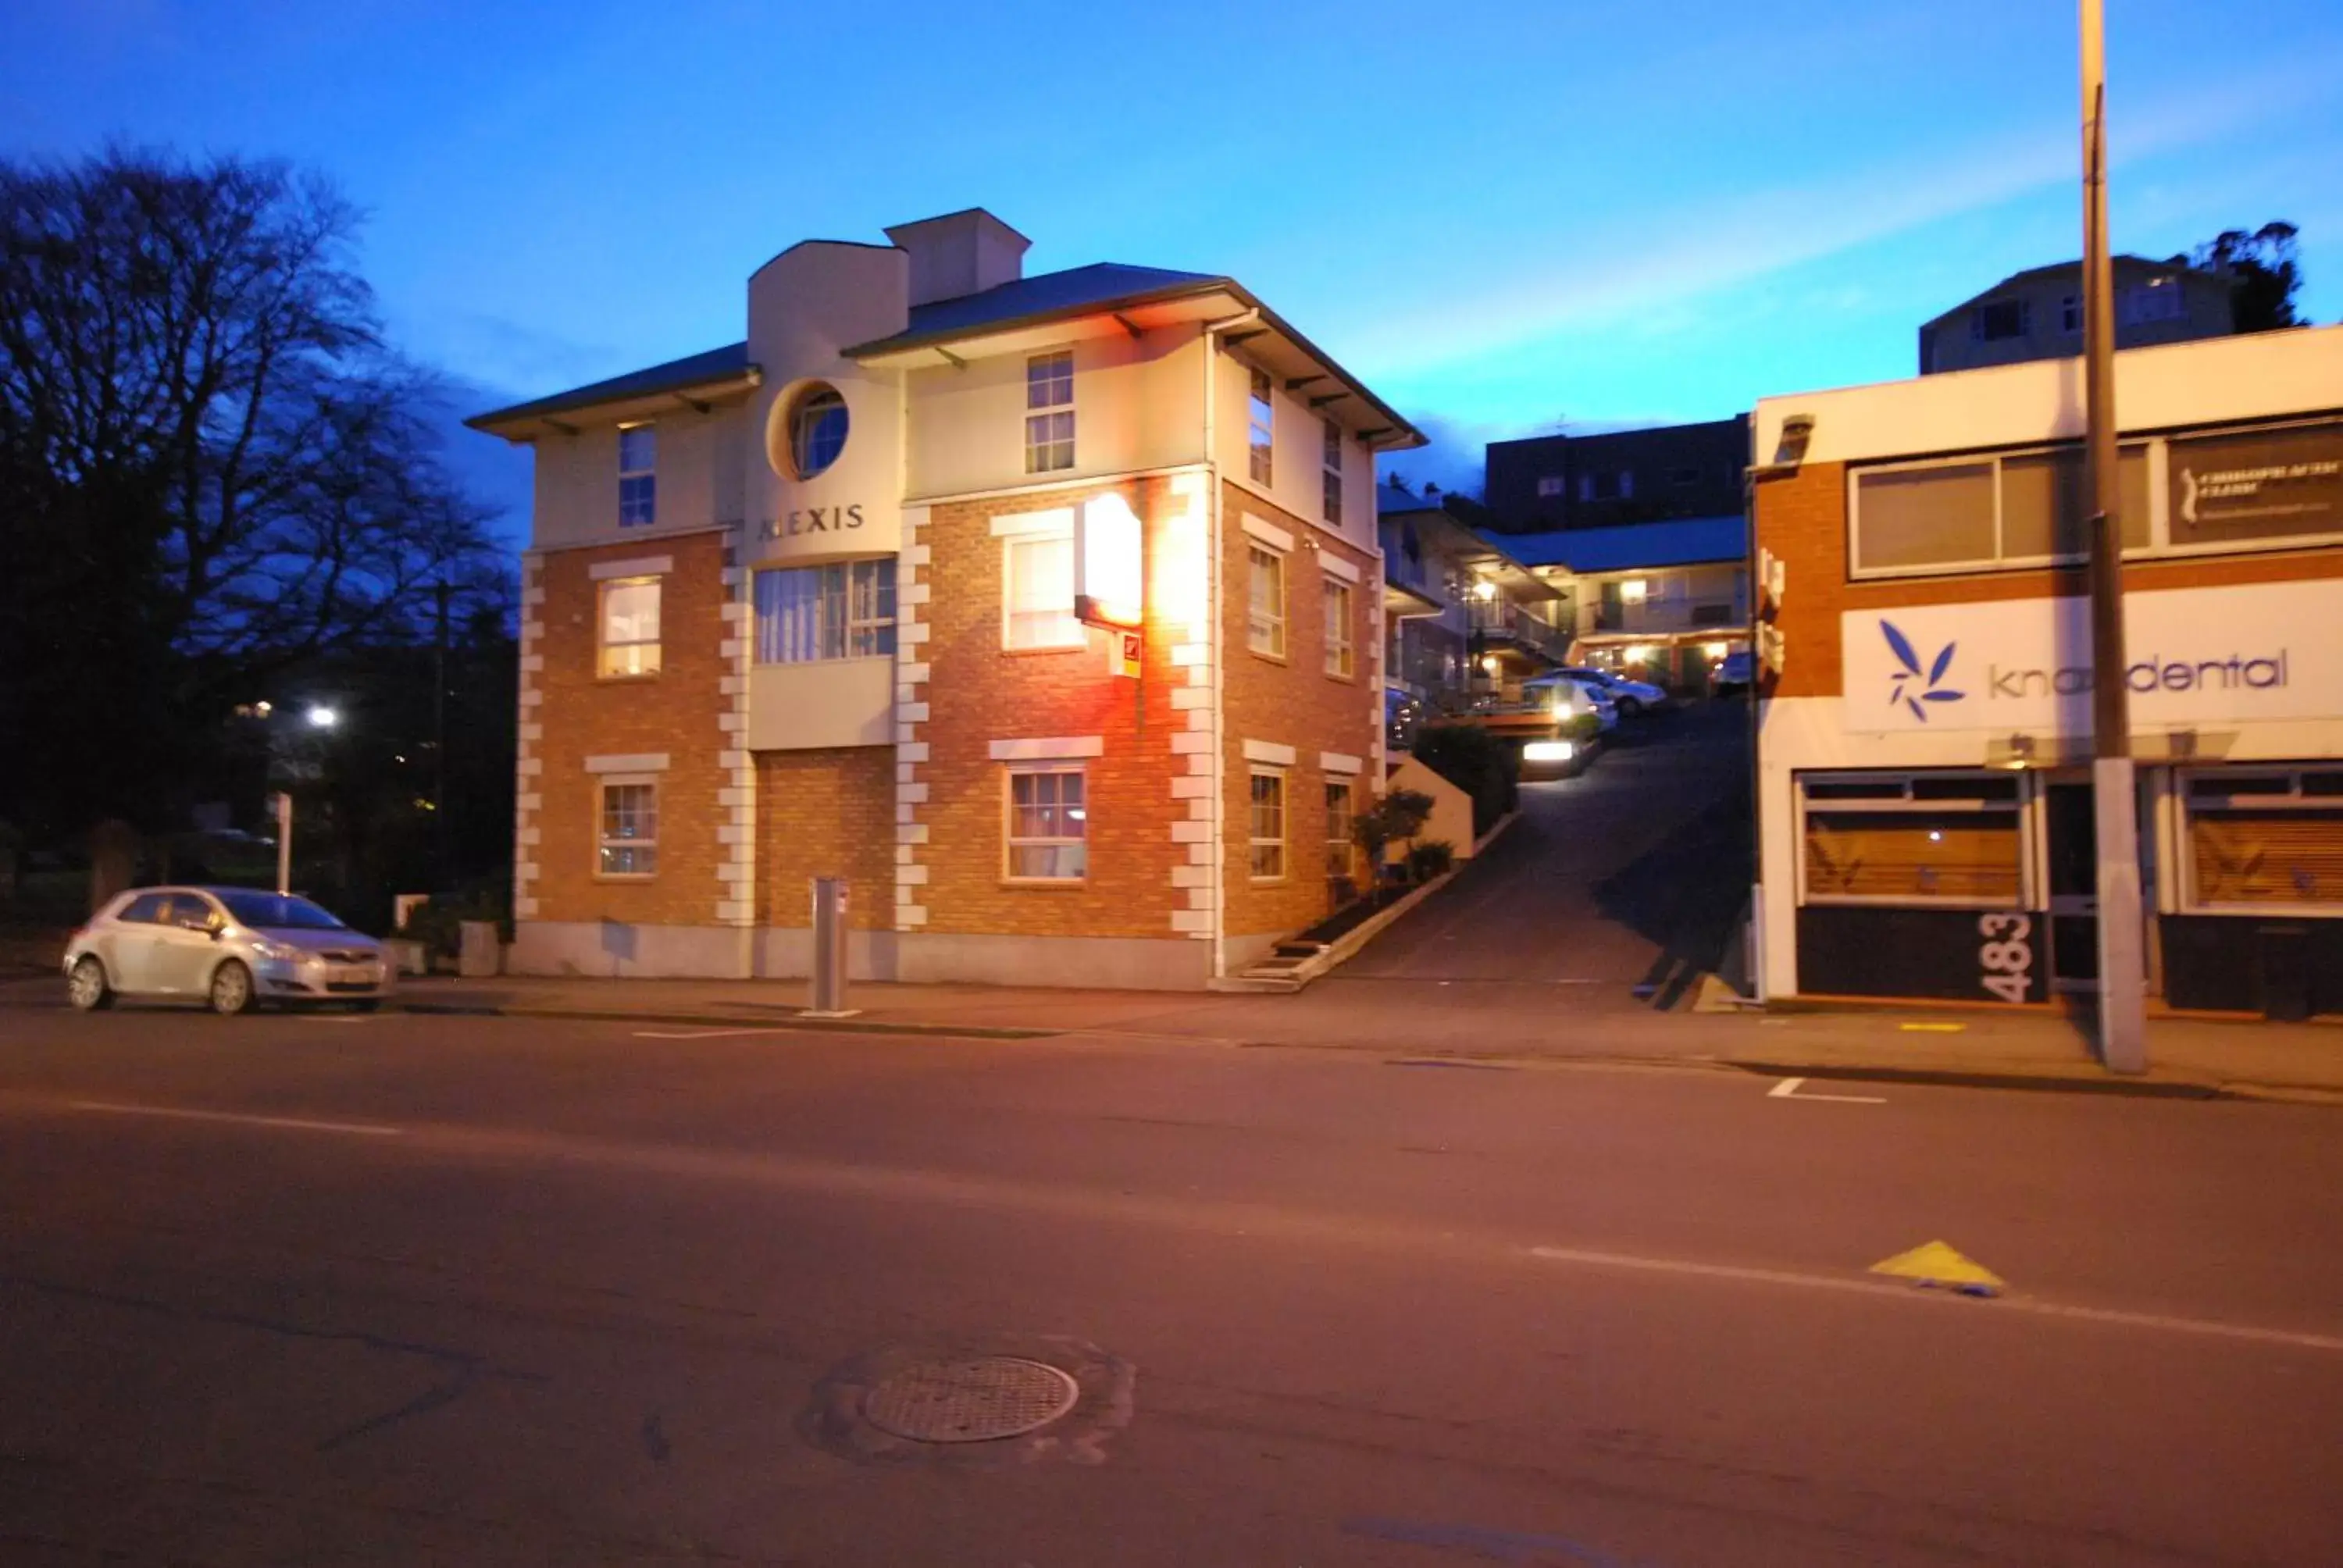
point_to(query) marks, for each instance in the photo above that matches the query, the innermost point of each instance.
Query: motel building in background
(1044, 610)
(1924, 813)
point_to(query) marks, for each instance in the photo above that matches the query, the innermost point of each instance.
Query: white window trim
(1334, 565)
(2023, 808)
(1051, 748)
(1340, 762)
(1070, 407)
(1267, 533)
(1284, 840)
(640, 567)
(1029, 767)
(2193, 903)
(1271, 752)
(1051, 520)
(603, 784)
(627, 762)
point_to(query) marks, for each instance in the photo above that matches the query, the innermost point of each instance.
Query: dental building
(1924, 813)
(1046, 611)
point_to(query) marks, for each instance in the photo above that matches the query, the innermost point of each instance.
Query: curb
(791, 1024)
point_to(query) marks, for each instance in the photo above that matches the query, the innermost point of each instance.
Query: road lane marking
(1935, 1264)
(287, 1123)
(1788, 1090)
(1931, 1027)
(707, 1033)
(2201, 1327)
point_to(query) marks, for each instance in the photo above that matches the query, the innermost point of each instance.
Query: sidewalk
(2190, 1058)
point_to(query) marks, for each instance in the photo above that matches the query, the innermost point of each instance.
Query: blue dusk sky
(1502, 216)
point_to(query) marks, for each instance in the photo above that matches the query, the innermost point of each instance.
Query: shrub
(1486, 769)
(1399, 815)
(1432, 858)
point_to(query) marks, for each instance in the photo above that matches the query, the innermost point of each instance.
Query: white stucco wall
(1299, 436)
(576, 479)
(1138, 405)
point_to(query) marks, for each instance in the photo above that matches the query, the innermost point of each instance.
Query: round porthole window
(816, 428)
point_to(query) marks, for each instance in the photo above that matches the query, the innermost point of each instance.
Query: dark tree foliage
(213, 472)
(2264, 271)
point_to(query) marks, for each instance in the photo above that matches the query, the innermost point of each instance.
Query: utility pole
(439, 740)
(2123, 972)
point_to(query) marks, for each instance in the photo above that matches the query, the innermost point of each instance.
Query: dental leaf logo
(1903, 681)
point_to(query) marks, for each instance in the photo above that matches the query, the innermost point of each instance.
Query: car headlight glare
(276, 953)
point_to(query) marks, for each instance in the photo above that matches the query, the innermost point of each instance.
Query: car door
(131, 938)
(183, 945)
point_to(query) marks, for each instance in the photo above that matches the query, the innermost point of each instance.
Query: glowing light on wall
(1641, 653)
(1634, 590)
(1107, 574)
(1714, 650)
(1484, 590)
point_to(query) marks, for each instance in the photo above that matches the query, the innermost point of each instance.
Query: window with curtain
(628, 635)
(1038, 592)
(1049, 823)
(806, 614)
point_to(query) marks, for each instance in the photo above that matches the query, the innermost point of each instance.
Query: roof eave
(524, 421)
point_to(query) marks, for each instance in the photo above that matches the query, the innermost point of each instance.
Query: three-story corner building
(1925, 803)
(1046, 611)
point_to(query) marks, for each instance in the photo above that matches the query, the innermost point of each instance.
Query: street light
(321, 717)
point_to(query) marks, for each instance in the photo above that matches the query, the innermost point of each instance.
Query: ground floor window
(1265, 828)
(2262, 837)
(629, 840)
(1913, 838)
(1341, 852)
(1049, 823)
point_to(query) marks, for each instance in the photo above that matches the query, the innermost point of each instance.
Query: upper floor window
(1265, 601)
(2000, 318)
(1038, 592)
(817, 429)
(2156, 299)
(1332, 487)
(1550, 485)
(1687, 474)
(1049, 412)
(2070, 314)
(638, 475)
(1607, 485)
(1262, 427)
(810, 613)
(628, 639)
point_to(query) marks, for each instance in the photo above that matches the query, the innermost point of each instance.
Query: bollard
(830, 950)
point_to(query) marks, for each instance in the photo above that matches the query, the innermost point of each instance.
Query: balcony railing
(1496, 618)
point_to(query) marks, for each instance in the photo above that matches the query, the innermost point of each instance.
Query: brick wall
(578, 715)
(976, 692)
(1803, 519)
(825, 813)
(1291, 702)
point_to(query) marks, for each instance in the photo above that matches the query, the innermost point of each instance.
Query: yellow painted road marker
(1931, 1027)
(1934, 1264)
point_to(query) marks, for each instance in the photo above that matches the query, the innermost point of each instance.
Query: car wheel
(87, 985)
(1630, 706)
(231, 990)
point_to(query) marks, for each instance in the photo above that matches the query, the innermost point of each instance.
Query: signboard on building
(2257, 484)
(2208, 655)
(1108, 563)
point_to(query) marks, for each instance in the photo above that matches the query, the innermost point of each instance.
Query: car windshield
(277, 911)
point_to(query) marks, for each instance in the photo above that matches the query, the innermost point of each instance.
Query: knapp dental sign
(2192, 656)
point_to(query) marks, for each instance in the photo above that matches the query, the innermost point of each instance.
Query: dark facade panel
(1547, 483)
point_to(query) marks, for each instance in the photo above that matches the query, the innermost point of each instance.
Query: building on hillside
(1045, 609)
(1925, 810)
(1543, 484)
(2038, 314)
(1466, 621)
(1664, 601)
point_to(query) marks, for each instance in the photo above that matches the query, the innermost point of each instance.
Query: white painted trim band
(1049, 747)
(1339, 762)
(1055, 520)
(1269, 751)
(1334, 565)
(640, 566)
(1269, 534)
(627, 762)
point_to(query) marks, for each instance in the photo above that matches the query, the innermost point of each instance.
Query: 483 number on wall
(2006, 960)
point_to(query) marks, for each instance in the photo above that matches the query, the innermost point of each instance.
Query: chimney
(960, 253)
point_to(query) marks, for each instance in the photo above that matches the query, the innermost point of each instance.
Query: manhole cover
(979, 1399)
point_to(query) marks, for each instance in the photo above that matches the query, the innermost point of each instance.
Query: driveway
(1631, 875)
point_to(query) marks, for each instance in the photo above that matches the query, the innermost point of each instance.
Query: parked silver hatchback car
(229, 948)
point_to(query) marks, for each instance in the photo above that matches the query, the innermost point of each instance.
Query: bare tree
(212, 467)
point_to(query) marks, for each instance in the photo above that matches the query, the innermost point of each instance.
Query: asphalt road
(1632, 873)
(409, 1291)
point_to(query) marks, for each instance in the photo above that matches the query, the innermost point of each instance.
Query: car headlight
(276, 953)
